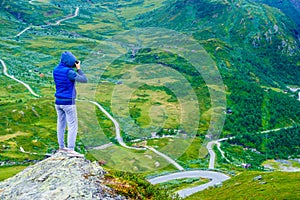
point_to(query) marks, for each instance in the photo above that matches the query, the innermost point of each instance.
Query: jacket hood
(68, 59)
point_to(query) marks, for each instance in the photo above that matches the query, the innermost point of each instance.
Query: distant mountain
(256, 48)
(290, 7)
(228, 30)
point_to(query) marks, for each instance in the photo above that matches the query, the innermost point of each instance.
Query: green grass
(275, 185)
(155, 110)
(152, 104)
(123, 159)
(194, 149)
(6, 172)
(134, 186)
(295, 164)
(95, 128)
(159, 143)
(130, 12)
(276, 165)
(176, 147)
(41, 48)
(27, 122)
(179, 184)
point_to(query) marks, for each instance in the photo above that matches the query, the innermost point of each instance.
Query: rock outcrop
(58, 177)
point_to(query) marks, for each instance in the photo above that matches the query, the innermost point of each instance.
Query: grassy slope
(241, 37)
(289, 7)
(274, 185)
(6, 172)
(41, 48)
(228, 30)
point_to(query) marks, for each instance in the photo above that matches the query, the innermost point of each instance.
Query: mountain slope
(290, 7)
(254, 46)
(256, 49)
(249, 36)
(255, 185)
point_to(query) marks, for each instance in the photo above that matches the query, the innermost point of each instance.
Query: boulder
(58, 177)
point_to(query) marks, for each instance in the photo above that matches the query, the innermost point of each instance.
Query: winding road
(215, 177)
(12, 77)
(170, 160)
(212, 153)
(51, 24)
(117, 127)
(29, 27)
(67, 17)
(123, 144)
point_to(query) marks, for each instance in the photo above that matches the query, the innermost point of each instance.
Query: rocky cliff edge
(58, 177)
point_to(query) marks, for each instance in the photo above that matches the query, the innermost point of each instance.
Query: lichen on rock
(58, 177)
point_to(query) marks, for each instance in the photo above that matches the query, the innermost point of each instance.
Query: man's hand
(77, 65)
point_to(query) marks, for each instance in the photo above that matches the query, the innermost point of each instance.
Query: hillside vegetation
(132, 72)
(290, 7)
(255, 185)
(257, 51)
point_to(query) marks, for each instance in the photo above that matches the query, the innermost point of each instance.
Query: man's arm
(79, 76)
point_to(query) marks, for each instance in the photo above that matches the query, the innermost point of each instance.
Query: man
(65, 77)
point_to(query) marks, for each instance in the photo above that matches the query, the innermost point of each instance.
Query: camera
(76, 62)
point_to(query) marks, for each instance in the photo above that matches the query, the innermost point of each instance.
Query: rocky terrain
(58, 177)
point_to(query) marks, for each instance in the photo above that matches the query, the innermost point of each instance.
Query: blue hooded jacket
(65, 88)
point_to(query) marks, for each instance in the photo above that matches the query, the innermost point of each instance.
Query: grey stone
(257, 178)
(262, 182)
(58, 177)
